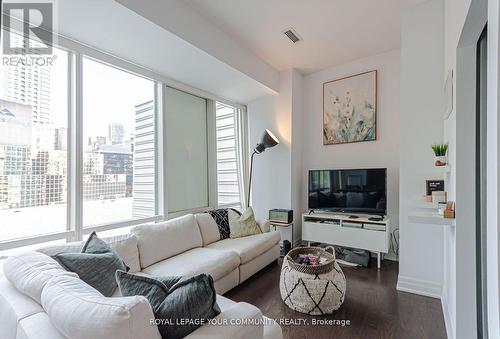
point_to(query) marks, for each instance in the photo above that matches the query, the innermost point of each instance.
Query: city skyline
(117, 106)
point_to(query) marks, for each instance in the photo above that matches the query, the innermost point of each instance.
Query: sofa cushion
(160, 241)
(30, 271)
(125, 245)
(208, 228)
(79, 311)
(249, 247)
(240, 321)
(96, 264)
(217, 263)
(174, 299)
(14, 306)
(38, 326)
(242, 225)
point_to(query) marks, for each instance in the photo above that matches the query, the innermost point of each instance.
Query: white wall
(384, 152)
(493, 146)
(271, 187)
(493, 142)
(455, 14)
(421, 124)
(276, 174)
(465, 19)
(297, 152)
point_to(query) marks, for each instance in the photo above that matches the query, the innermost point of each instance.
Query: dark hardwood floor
(372, 305)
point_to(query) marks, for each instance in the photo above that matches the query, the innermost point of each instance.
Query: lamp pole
(268, 141)
(250, 178)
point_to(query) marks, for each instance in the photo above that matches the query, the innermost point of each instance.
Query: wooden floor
(372, 305)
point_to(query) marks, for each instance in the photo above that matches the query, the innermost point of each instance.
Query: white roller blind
(186, 151)
(229, 174)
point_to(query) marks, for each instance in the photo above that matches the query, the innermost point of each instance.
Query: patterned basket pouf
(312, 290)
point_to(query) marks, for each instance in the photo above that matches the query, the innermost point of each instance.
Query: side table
(276, 224)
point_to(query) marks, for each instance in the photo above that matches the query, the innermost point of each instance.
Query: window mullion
(75, 182)
(212, 154)
(160, 182)
(242, 154)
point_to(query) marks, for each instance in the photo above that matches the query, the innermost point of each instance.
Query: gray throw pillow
(174, 300)
(96, 265)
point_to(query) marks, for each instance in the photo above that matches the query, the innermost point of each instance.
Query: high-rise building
(144, 161)
(116, 133)
(61, 139)
(29, 176)
(29, 85)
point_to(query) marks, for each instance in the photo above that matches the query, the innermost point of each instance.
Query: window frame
(75, 230)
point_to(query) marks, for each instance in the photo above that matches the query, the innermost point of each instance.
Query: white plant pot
(440, 161)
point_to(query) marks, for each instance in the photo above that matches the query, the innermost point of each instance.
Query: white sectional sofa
(38, 299)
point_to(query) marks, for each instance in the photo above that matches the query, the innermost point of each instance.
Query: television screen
(349, 190)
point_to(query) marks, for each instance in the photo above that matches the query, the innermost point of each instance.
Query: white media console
(344, 230)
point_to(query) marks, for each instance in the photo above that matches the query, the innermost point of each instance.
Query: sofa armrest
(239, 321)
(264, 225)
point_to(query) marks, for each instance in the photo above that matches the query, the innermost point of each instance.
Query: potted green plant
(440, 151)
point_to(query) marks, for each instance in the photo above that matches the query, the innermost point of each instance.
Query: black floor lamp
(268, 140)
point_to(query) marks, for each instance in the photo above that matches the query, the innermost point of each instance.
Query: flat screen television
(349, 190)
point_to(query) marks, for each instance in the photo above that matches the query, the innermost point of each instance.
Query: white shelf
(437, 169)
(426, 205)
(430, 219)
(442, 169)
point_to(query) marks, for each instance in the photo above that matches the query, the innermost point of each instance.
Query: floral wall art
(350, 109)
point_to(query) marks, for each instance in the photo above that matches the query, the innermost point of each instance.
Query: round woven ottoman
(314, 290)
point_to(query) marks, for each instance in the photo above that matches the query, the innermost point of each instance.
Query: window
(79, 149)
(118, 145)
(229, 160)
(186, 151)
(33, 148)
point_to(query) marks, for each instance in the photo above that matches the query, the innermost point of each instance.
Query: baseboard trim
(420, 287)
(448, 322)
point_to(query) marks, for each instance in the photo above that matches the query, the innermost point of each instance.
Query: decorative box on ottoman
(313, 289)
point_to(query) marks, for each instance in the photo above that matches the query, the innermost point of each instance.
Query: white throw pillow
(30, 271)
(79, 311)
(126, 247)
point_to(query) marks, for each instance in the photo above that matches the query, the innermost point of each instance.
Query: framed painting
(350, 109)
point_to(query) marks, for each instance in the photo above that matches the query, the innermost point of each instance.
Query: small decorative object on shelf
(440, 151)
(433, 185)
(441, 208)
(427, 198)
(449, 212)
(434, 191)
(438, 196)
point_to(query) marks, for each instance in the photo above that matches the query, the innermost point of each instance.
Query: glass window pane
(187, 159)
(119, 145)
(33, 147)
(228, 170)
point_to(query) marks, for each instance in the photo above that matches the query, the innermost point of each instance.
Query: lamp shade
(268, 140)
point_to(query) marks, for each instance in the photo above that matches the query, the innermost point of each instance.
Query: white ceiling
(118, 31)
(334, 31)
